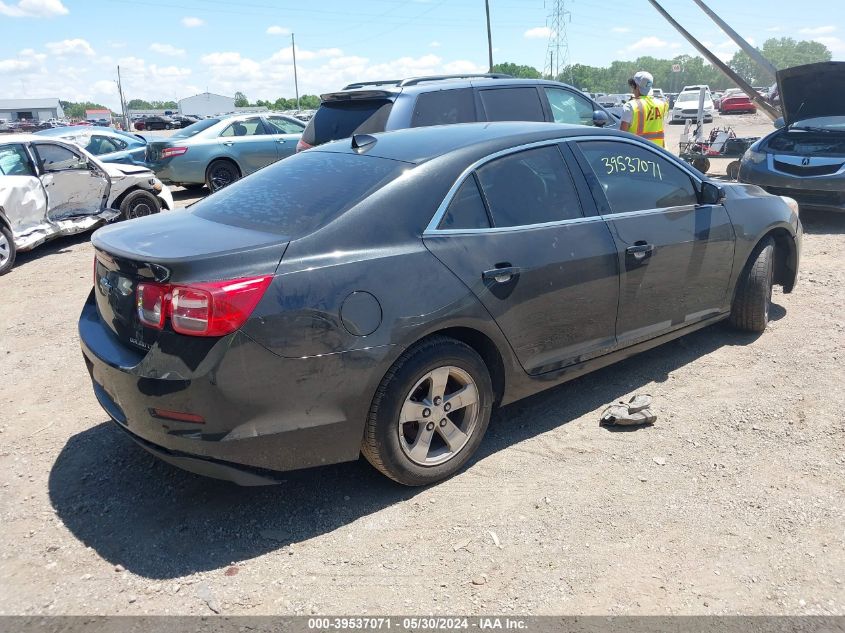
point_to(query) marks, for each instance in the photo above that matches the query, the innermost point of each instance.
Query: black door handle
(502, 274)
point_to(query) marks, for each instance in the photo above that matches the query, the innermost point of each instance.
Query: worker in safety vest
(643, 115)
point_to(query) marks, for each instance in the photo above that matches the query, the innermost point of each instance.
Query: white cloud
(620, 29)
(76, 46)
(192, 22)
(538, 33)
(651, 42)
(277, 30)
(434, 44)
(774, 29)
(105, 87)
(818, 30)
(167, 49)
(33, 9)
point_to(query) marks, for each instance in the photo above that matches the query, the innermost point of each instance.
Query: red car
(736, 103)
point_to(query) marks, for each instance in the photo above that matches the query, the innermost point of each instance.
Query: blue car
(107, 144)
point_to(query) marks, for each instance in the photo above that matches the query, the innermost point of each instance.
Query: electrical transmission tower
(558, 49)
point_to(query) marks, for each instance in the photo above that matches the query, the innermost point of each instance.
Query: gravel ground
(731, 503)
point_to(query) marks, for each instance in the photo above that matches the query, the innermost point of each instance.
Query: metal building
(30, 109)
(206, 104)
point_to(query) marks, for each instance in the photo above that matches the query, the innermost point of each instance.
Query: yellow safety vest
(647, 120)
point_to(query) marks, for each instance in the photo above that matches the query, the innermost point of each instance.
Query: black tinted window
(634, 178)
(299, 194)
(512, 104)
(443, 107)
(342, 119)
(529, 187)
(466, 211)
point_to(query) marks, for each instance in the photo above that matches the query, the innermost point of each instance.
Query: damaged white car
(50, 188)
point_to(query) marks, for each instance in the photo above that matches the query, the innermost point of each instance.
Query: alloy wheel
(222, 176)
(439, 416)
(139, 210)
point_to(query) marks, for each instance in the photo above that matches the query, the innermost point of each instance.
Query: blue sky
(175, 48)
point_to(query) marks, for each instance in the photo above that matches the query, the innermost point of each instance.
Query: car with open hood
(381, 294)
(50, 187)
(805, 158)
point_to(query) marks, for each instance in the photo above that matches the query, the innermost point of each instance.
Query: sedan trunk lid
(178, 247)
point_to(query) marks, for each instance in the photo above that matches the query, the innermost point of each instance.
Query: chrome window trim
(432, 229)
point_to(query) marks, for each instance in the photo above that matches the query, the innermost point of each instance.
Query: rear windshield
(341, 119)
(300, 194)
(195, 128)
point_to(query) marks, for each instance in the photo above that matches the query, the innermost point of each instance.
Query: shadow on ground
(160, 522)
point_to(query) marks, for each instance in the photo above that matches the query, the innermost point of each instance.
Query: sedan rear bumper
(260, 412)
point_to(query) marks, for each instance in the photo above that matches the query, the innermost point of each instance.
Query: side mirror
(711, 194)
(779, 122)
(600, 118)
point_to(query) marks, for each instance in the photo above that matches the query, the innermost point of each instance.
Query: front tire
(7, 250)
(753, 297)
(430, 412)
(139, 204)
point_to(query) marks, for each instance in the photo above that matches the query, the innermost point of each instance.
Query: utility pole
(489, 36)
(122, 101)
(752, 52)
(295, 80)
(558, 40)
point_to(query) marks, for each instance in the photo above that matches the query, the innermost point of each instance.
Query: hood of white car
(116, 170)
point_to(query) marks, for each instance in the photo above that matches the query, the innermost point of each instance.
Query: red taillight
(151, 302)
(302, 145)
(169, 152)
(202, 309)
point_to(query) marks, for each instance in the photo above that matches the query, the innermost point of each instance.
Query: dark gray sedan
(380, 295)
(805, 159)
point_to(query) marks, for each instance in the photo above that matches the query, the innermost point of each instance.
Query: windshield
(195, 128)
(690, 96)
(833, 123)
(300, 194)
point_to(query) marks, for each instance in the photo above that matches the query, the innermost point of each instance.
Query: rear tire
(701, 164)
(753, 298)
(221, 173)
(439, 391)
(139, 204)
(7, 250)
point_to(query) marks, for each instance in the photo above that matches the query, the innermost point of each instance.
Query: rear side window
(195, 128)
(512, 104)
(341, 119)
(636, 179)
(300, 194)
(568, 107)
(467, 210)
(530, 187)
(444, 107)
(247, 127)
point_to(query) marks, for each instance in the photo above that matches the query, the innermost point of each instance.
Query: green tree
(783, 52)
(523, 71)
(139, 104)
(240, 100)
(76, 110)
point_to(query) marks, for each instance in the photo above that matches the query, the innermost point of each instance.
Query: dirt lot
(731, 503)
